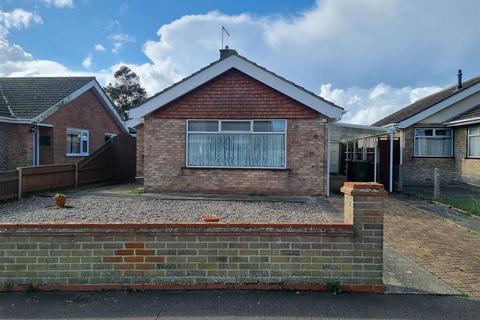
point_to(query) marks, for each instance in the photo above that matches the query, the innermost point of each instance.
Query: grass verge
(469, 205)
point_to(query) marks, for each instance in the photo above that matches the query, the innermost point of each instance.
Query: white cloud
(119, 40)
(384, 54)
(366, 106)
(87, 62)
(16, 62)
(100, 48)
(17, 19)
(59, 3)
(346, 43)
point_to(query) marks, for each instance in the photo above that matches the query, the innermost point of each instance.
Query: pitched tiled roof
(28, 97)
(249, 61)
(471, 113)
(425, 103)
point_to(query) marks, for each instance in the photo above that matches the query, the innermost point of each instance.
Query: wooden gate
(113, 162)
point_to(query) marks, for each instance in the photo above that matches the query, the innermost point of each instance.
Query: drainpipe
(35, 130)
(390, 187)
(328, 161)
(375, 143)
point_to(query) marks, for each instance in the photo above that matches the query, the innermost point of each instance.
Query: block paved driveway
(444, 248)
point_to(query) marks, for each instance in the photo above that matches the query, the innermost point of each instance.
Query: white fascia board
(439, 106)
(248, 68)
(132, 123)
(462, 122)
(15, 120)
(76, 94)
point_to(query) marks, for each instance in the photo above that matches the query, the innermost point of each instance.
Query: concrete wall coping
(363, 189)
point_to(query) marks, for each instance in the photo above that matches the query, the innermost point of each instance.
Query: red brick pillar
(364, 205)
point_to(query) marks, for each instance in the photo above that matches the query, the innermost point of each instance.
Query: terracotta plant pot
(210, 218)
(60, 202)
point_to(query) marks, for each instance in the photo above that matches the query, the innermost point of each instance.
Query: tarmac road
(234, 305)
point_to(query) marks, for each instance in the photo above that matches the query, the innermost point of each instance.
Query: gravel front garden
(97, 208)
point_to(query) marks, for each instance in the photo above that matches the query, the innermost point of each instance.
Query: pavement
(234, 305)
(402, 275)
(443, 246)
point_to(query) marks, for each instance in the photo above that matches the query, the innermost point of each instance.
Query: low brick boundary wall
(198, 256)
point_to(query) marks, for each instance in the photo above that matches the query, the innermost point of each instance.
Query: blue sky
(371, 56)
(68, 35)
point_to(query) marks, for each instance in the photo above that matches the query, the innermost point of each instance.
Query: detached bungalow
(53, 120)
(234, 127)
(440, 131)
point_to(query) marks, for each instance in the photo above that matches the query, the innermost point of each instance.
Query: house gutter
(462, 122)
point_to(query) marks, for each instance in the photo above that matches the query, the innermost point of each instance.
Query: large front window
(433, 142)
(236, 143)
(474, 142)
(77, 142)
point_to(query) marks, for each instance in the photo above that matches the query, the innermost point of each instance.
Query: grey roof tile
(470, 113)
(425, 103)
(28, 97)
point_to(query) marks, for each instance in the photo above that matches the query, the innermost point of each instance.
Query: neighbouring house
(49, 120)
(440, 131)
(234, 127)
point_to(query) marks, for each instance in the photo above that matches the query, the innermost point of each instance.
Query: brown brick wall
(15, 146)
(195, 256)
(467, 170)
(419, 171)
(85, 112)
(234, 95)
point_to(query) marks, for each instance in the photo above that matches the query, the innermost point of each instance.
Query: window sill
(243, 169)
(76, 155)
(432, 157)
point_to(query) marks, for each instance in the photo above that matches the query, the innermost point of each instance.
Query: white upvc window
(433, 142)
(237, 144)
(78, 143)
(474, 142)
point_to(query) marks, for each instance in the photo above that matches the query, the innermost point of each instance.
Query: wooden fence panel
(113, 162)
(48, 177)
(8, 185)
(97, 167)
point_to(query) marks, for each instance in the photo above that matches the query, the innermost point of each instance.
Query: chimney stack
(459, 84)
(227, 52)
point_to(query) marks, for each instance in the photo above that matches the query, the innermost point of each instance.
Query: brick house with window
(440, 131)
(49, 120)
(234, 127)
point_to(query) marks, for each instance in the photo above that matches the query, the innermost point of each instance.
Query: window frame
(82, 153)
(219, 131)
(468, 141)
(433, 136)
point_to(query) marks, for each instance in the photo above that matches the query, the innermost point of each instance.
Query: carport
(363, 135)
